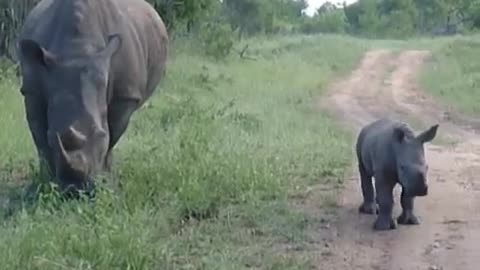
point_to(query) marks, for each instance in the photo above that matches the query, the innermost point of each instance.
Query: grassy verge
(453, 74)
(206, 168)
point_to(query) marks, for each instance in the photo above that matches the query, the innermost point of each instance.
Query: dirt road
(448, 237)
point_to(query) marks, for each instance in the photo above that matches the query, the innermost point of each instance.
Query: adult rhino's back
(146, 48)
(139, 64)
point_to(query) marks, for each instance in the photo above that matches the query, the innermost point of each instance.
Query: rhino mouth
(416, 192)
(75, 190)
(422, 192)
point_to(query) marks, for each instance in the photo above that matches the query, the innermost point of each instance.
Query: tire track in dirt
(384, 84)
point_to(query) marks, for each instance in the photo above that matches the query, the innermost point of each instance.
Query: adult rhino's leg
(385, 199)
(407, 217)
(369, 205)
(108, 161)
(119, 113)
(37, 123)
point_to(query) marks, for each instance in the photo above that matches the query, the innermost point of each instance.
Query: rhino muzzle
(72, 169)
(419, 190)
(423, 191)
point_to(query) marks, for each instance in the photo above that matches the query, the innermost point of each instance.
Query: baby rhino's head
(410, 156)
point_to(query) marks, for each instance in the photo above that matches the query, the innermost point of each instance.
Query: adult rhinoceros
(86, 66)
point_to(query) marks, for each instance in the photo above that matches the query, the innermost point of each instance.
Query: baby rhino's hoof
(368, 208)
(408, 218)
(383, 224)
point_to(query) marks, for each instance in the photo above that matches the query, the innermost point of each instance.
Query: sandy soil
(448, 237)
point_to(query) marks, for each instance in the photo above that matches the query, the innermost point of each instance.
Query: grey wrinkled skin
(86, 67)
(390, 152)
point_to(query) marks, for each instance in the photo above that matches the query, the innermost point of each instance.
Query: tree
(255, 16)
(326, 7)
(431, 13)
(398, 17)
(369, 18)
(187, 13)
(327, 19)
(244, 15)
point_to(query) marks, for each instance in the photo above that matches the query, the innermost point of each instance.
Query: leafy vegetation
(204, 173)
(407, 18)
(215, 23)
(193, 18)
(453, 74)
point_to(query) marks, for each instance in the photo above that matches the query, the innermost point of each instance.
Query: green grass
(453, 74)
(226, 142)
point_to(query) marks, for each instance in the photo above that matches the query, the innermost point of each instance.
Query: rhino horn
(64, 154)
(72, 139)
(70, 159)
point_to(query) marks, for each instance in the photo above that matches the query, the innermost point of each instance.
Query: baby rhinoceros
(389, 151)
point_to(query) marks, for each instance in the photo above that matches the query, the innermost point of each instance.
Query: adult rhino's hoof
(384, 224)
(408, 218)
(368, 208)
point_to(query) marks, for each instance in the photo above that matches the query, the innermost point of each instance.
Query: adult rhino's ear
(34, 53)
(113, 45)
(428, 135)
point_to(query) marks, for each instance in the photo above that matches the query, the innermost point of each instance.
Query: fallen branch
(243, 52)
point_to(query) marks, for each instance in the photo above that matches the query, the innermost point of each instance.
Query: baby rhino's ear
(428, 135)
(398, 134)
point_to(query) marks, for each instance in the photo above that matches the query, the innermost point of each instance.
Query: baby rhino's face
(411, 166)
(413, 178)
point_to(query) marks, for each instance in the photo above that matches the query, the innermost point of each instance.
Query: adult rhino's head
(69, 91)
(410, 156)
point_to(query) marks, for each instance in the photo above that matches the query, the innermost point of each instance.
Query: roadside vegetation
(453, 74)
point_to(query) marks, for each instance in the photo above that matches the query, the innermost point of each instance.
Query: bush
(7, 70)
(217, 40)
(326, 22)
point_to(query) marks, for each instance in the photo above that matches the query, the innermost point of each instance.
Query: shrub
(217, 40)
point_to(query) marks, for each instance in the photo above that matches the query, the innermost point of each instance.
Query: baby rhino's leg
(385, 199)
(407, 217)
(369, 205)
